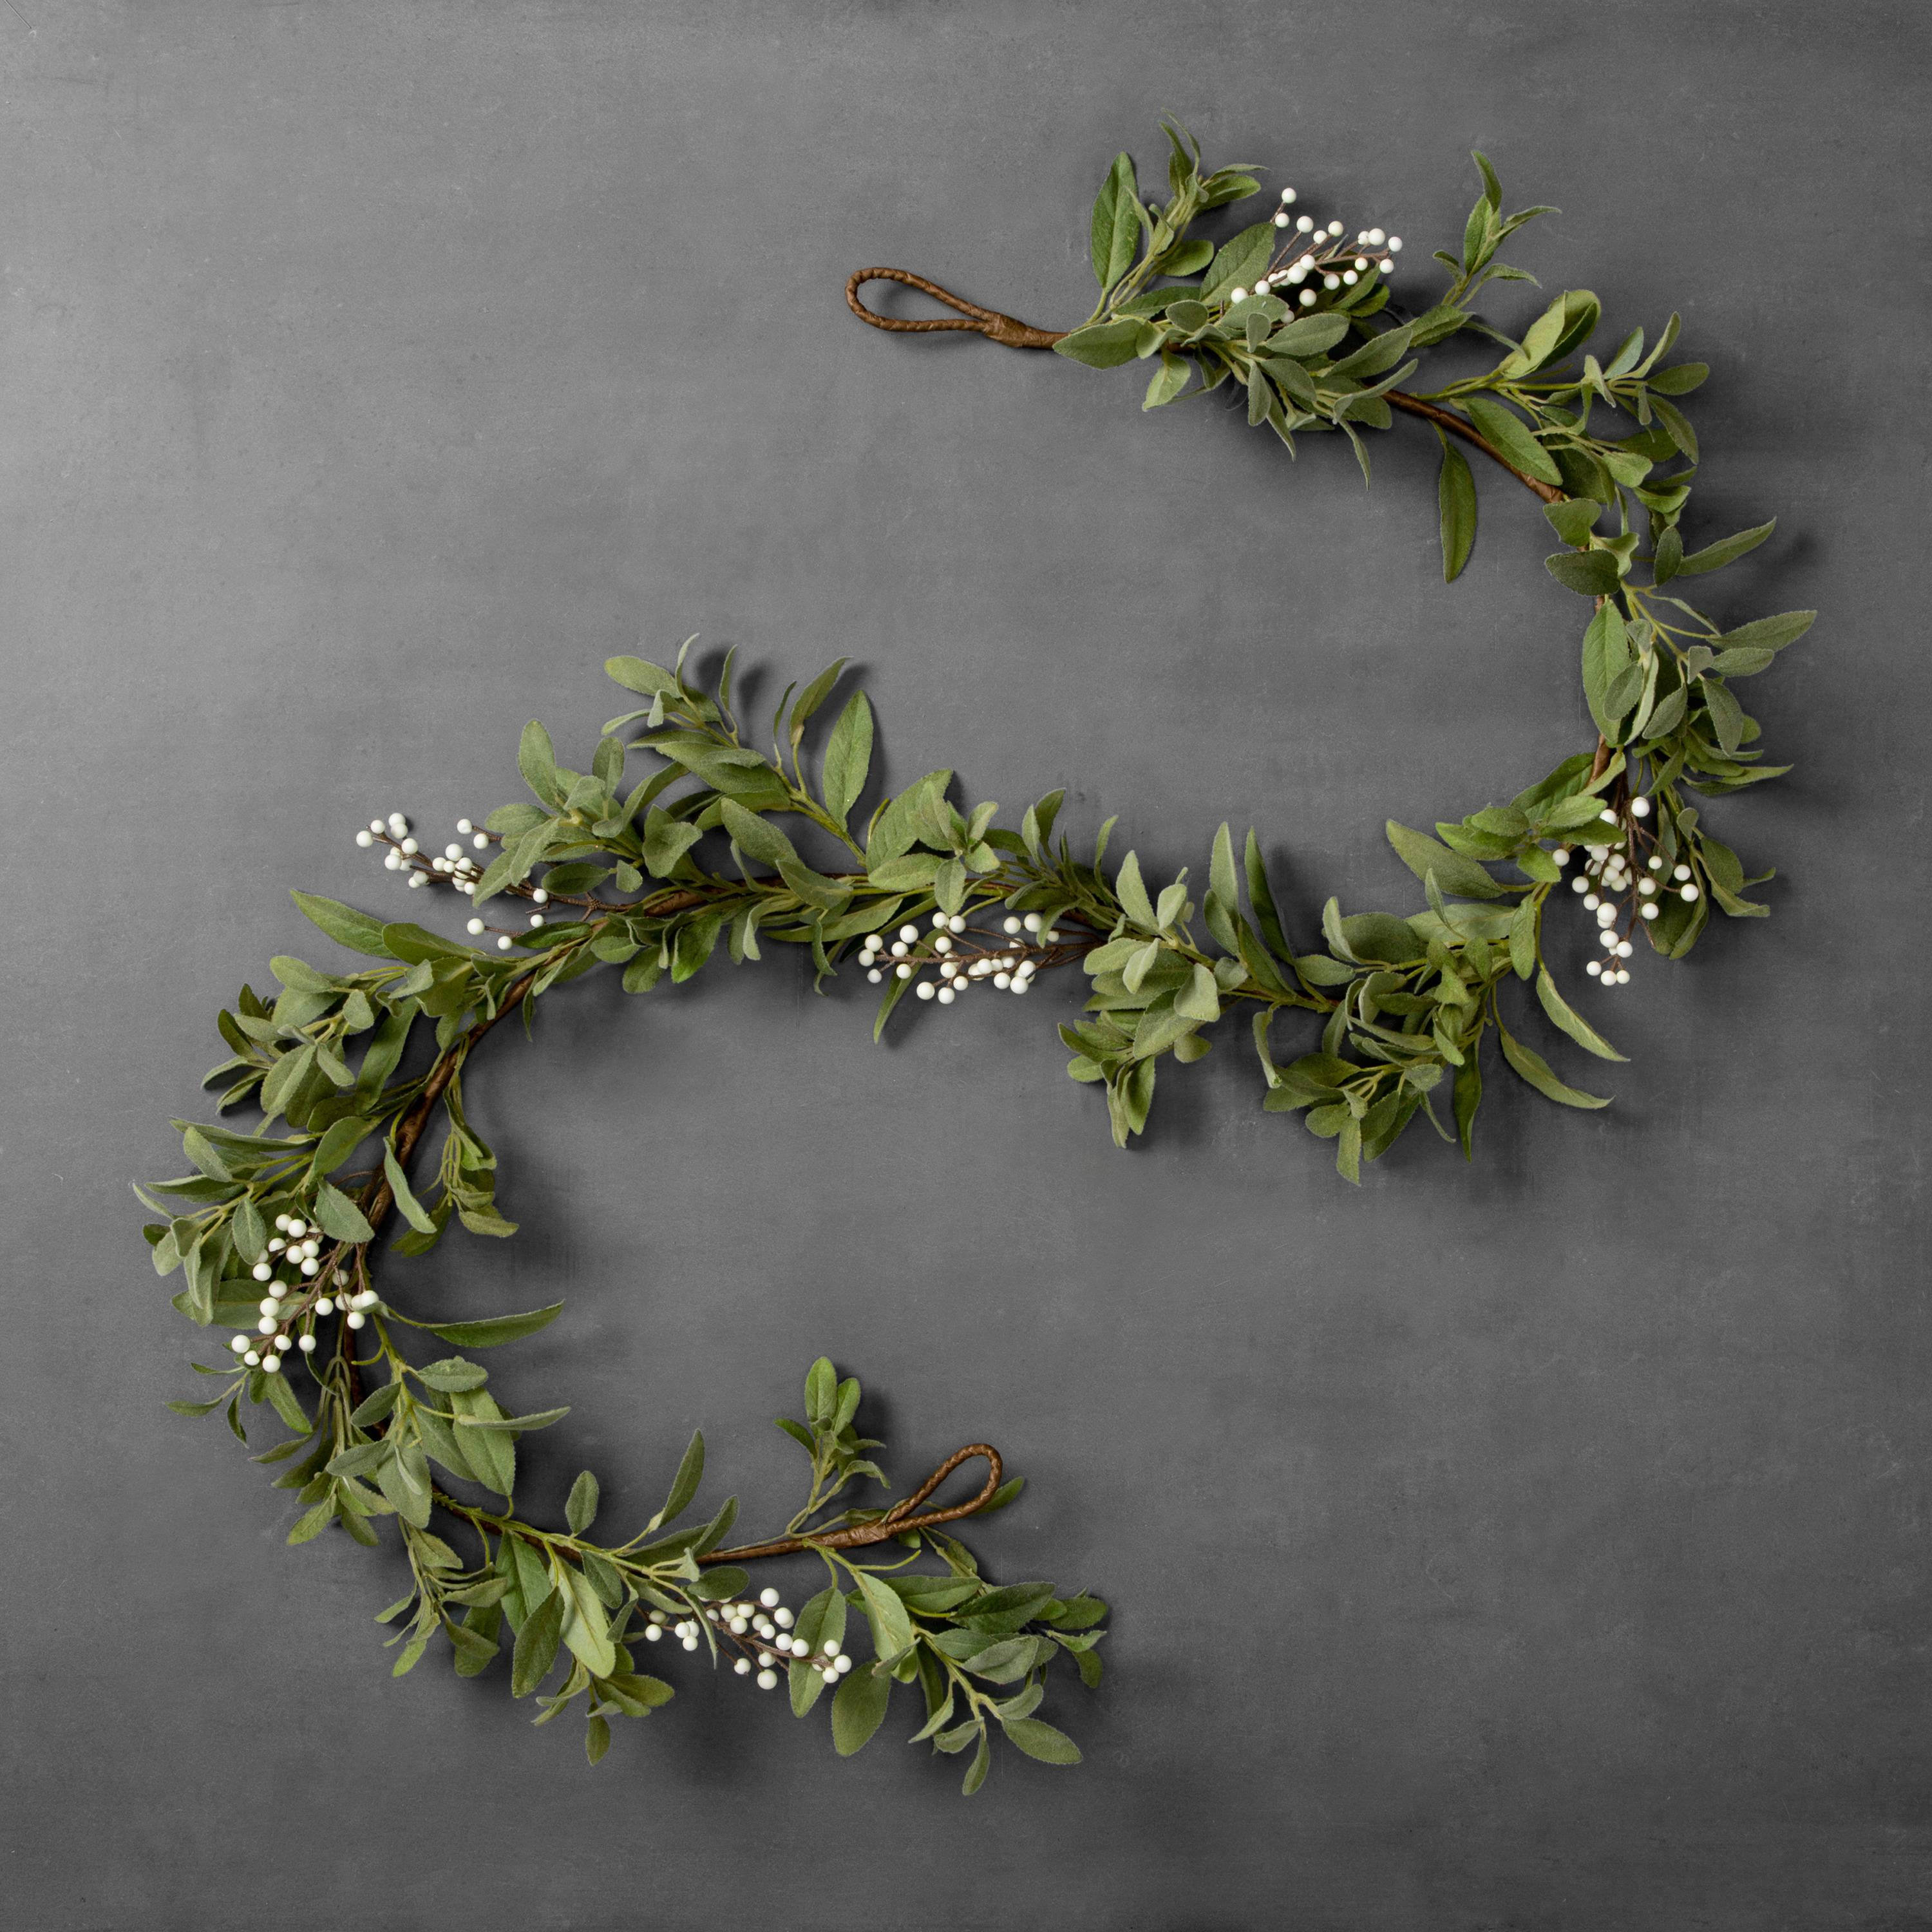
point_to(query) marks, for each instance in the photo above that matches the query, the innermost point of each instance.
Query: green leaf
(1770, 634)
(1104, 345)
(892, 1628)
(580, 1511)
(1239, 260)
(538, 763)
(413, 1211)
(1041, 1741)
(344, 924)
(596, 1738)
(495, 1330)
(848, 758)
(536, 1645)
(1574, 1024)
(858, 1710)
(1509, 434)
(684, 1484)
(1116, 225)
(1573, 519)
(540, 1418)
(1532, 1066)
(1132, 893)
(1454, 871)
(1309, 336)
(339, 1216)
(1590, 573)
(1456, 503)
(1715, 555)
(453, 1372)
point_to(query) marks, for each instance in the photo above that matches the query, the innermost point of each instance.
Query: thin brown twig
(896, 1521)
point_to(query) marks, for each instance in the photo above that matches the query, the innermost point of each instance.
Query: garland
(275, 1230)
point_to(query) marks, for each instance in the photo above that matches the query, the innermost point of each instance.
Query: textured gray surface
(1538, 1545)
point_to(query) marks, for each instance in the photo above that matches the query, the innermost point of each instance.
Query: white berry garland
(276, 1230)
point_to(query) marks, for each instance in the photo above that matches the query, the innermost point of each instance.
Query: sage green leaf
(1509, 434)
(1573, 519)
(538, 763)
(1199, 1000)
(1727, 717)
(858, 1710)
(1532, 1066)
(1308, 336)
(1770, 634)
(453, 1372)
(494, 1329)
(412, 1210)
(976, 1771)
(536, 1646)
(1376, 356)
(339, 1216)
(1041, 1740)
(1728, 550)
(1104, 345)
(1115, 230)
(1132, 895)
(1169, 379)
(580, 1511)
(1454, 871)
(639, 675)
(848, 758)
(540, 1418)
(586, 1628)
(1679, 380)
(892, 1628)
(344, 924)
(1456, 504)
(1590, 573)
(1574, 1024)
(1675, 426)
(684, 1484)
(1239, 261)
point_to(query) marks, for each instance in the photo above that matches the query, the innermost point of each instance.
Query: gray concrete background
(1539, 1545)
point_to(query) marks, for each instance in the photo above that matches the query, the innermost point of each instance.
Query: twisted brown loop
(989, 322)
(898, 1519)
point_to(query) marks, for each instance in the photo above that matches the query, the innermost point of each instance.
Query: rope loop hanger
(1007, 330)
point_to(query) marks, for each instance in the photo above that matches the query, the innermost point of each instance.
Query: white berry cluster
(1319, 256)
(452, 866)
(296, 1245)
(1611, 873)
(1009, 965)
(761, 1631)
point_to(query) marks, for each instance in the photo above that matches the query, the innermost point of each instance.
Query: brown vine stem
(896, 1521)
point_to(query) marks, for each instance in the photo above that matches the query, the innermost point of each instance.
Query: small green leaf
(580, 1511)
(1574, 1024)
(495, 1330)
(1455, 501)
(413, 1211)
(1116, 225)
(344, 924)
(339, 1216)
(1041, 1741)
(858, 1710)
(1532, 1066)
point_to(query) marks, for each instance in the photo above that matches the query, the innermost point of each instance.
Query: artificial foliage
(723, 847)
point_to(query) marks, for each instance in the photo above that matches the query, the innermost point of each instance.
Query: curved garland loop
(275, 1232)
